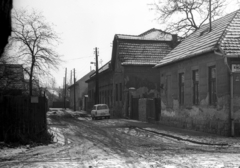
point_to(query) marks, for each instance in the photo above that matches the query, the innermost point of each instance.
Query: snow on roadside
(56, 111)
(11, 152)
(58, 136)
(234, 142)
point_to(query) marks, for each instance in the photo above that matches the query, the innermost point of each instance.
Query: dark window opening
(120, 92)
(212, 85)
(181, 88)
(116, 92)
(195, 79)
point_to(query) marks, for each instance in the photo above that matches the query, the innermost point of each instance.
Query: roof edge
(225, 31)
(189, 56)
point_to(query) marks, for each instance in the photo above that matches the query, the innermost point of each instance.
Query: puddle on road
(59, 136)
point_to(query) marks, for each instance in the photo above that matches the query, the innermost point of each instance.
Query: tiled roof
(230, 41)
(102, 69)
(142, 52)
(225, 34)
(85, 77)
(147, 48)
(152, 34)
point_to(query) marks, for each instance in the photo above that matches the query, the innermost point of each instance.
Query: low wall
(211, 119)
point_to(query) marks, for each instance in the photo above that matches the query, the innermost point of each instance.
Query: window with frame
(212, 85)
(116, 89)
(181, 88)
(120, 92)
(195, 78)
(111, 97)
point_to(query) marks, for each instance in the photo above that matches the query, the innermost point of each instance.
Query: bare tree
(35, 40)
(186, 16)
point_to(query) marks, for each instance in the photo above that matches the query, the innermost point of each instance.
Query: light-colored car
(100, 111)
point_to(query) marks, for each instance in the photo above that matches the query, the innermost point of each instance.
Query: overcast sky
(85, 24)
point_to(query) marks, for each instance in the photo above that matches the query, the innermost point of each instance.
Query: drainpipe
(231, 93)
(231, 106)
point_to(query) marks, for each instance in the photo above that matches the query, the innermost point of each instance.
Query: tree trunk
(30, 79)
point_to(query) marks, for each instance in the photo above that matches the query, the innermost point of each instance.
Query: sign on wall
(235, 67)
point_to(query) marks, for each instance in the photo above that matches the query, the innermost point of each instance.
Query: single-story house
(200, 79)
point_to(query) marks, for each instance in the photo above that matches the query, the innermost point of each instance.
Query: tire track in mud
(100, 138)
(122, 143)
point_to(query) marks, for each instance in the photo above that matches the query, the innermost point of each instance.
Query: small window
(102, 107)
(195, 78)
(181, 88)
(212, 85)
(120, 92)
(116, 92)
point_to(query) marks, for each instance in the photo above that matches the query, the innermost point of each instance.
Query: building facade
(133, 59)
(105, 87)
(199, 79)
(81, 93)
(131, 67)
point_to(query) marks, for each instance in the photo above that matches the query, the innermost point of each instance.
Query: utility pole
(71, 78)
(97, 88)
(65, 89)
(74, 94)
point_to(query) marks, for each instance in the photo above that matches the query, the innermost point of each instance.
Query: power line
(79, 58)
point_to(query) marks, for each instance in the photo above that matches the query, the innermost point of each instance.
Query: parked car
(100, 111)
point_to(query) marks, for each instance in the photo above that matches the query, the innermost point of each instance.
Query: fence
(21, 116)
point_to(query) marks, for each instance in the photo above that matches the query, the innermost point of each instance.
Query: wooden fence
(22, 115)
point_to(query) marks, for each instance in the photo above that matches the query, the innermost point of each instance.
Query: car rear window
(102, 107)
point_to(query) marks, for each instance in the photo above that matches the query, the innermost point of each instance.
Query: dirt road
(82, 142)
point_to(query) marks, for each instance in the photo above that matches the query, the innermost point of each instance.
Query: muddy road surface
(118, 143)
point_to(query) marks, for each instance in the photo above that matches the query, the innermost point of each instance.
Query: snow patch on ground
(235, 142)
(56, 111)
(11, 152)
(58, 136)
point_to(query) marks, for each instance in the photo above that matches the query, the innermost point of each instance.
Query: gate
(134, 109)
(153, 109)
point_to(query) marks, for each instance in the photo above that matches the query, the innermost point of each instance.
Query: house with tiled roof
(105, 86)
(200, 79)
(132, 62)
(80, 87)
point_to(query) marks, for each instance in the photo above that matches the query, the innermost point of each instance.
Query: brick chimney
(175, 40)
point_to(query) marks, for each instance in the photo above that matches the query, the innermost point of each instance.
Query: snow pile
(56, 111)
(11, 152)
(77, 113)
(58, 136)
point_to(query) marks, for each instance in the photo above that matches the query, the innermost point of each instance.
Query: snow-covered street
(82, 142)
